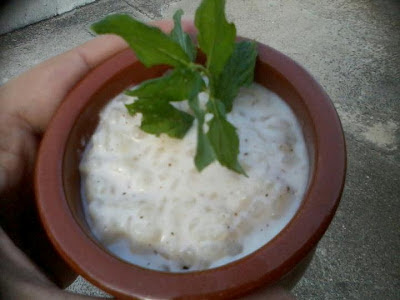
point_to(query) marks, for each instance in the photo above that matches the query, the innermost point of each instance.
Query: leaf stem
(201, 68)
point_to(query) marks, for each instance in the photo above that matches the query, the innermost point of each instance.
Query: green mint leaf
(179, 85)
(182, 38)
(153, 102)
(161, 117)
(204, 152)
(223, 137)
(151, 45)
(238, 71)
(216, 36)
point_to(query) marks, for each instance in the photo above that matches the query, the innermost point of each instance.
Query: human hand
(30, 267)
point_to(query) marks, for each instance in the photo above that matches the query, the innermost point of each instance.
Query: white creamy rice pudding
(147, 203)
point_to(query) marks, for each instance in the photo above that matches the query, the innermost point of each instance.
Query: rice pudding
(146, 202)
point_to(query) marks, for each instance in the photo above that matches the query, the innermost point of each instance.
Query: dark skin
(29, 266)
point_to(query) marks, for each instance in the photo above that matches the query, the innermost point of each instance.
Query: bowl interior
(88, 120)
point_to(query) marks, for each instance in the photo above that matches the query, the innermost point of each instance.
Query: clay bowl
(57, 185)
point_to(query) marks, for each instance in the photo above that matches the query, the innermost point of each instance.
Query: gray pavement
(17, 14)
(352, 48)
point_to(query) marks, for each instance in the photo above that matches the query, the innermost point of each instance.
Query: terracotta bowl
(57, 184)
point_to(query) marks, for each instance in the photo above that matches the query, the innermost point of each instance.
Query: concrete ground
(17, 14)
(352, 48)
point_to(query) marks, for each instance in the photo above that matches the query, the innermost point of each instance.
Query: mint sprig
(182, 38)
(216, 36)
(229, 66)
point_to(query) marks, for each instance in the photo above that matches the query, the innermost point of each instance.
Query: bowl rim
(265, 265)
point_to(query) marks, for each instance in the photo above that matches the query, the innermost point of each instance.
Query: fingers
(168, 25)
(21, 279)
(188, 26)
(17, 266)
(164, 25)
(17, 151)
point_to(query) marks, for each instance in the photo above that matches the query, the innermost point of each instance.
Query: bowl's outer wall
(57, 185)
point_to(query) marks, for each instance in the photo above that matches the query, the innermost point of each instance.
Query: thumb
(35, 95)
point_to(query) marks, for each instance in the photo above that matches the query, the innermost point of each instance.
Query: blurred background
(352, 48)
